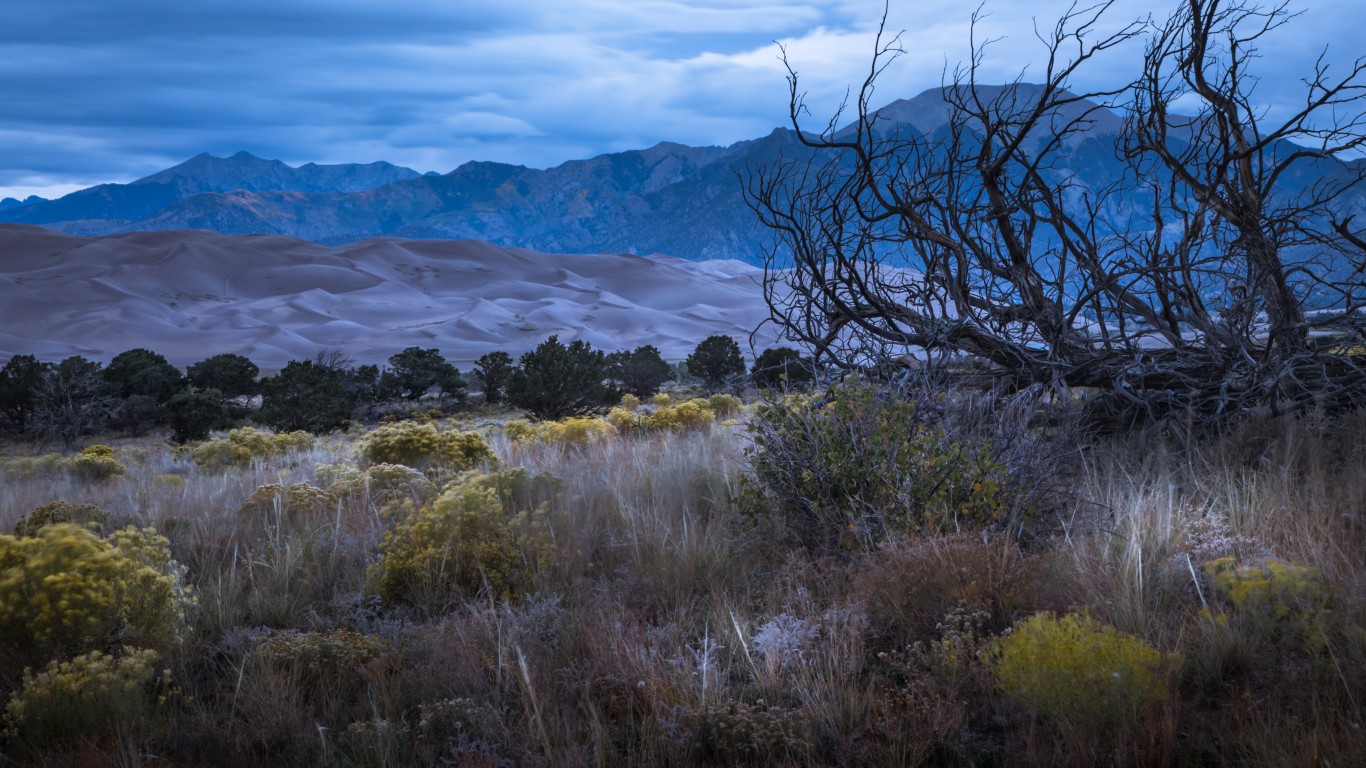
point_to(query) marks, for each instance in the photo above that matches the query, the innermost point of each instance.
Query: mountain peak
(243, 170)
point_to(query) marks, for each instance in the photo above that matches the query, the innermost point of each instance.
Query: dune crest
(191, 294)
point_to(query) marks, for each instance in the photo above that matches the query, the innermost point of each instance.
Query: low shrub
(67, 590)
(320, 657)
(628, 420)
(460, 544)
(573, 430)
(246, 444)
(85, 515)
(845, 471)
(741, 733)
(378, 483)
(1088, 679)
(296, 502)
(32, 467)
(90, 698)
(691, 414)
(423, 446)
(1274, 600)
(576, 430)
(724, 406)
(96, 462)
(445, 732)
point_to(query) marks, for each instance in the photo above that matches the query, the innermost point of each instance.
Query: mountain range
(671, 199)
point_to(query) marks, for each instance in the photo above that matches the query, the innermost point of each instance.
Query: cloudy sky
(111, 90)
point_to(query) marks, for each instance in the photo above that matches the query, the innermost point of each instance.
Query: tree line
(139, 389)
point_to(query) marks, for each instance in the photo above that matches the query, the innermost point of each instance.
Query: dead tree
(988, 237)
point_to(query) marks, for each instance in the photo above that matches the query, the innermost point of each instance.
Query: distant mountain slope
(673, 199)
(206, 173)
(189, 295)
(109, 208)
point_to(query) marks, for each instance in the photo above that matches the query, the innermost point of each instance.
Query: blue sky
(111, 90)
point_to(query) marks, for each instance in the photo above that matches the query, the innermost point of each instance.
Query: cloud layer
(98, 91)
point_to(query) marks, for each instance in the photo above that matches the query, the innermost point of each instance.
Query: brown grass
(671, 629)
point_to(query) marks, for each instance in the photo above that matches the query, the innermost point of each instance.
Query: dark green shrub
(782, 368)
(555, 381)
(307, 396)
(415, 371)
(640, 372)
(18, 380)
(715, 361)
(193, 415)
(143, 372)
(491, 374)
(232, 375)
(845, 470)
(136, 414)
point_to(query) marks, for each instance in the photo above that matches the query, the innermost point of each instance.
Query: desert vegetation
(855, 573)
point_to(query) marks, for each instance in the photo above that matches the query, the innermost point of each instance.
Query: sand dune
(192, 294)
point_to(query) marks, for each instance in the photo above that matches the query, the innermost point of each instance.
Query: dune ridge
(190, 294)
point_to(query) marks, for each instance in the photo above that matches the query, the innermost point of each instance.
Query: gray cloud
(97, 91)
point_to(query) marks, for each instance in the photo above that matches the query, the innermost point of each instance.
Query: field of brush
(624, 591)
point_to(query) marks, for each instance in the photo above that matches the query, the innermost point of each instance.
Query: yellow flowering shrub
(31, 467)
(320, 656)
(692, 414)
(91, 697)
(246, 444)
(96, 462)
(296, 502)
(462, 543)
(1274, 588)
(85, 515)
(378, 482)
(520, 432)
(629, 402)
(627, 420)
(724, 406)
(1086, 677)
(423, 446)
(1275, 599)
(576, 430)
(662, 399)
(170, 482)
(67, 590)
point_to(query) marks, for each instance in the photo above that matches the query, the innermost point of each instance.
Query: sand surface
(193, 294)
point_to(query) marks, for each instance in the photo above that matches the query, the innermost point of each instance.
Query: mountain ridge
(670, 198)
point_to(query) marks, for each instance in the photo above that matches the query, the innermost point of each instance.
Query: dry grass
(670, 629)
